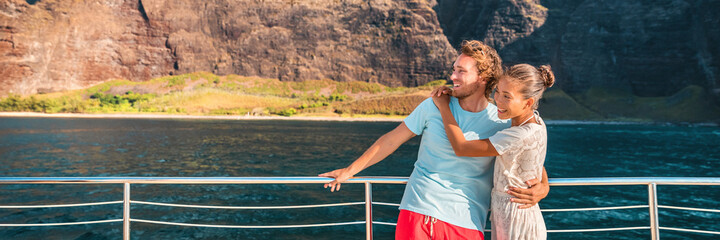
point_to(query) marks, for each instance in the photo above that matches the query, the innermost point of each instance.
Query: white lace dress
(522, 154)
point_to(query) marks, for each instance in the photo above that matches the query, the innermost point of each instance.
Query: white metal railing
(652, 206)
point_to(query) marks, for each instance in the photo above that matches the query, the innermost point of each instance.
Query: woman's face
(509, 100)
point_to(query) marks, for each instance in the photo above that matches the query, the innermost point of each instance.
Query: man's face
(465, 77)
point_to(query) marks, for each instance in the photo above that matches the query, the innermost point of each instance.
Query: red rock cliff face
(56, 45)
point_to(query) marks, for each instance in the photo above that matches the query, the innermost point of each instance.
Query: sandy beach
(176, 116)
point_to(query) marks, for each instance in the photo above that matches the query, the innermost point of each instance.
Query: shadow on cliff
(612, 59)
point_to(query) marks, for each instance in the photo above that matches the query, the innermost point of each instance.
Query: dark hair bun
(547, 75)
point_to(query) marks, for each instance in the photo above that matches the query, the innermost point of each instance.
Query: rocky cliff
(52, 45)
(644, 48)
(648, 48)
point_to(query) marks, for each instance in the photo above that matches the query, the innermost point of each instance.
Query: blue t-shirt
(442, 185)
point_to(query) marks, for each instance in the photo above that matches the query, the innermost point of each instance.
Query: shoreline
(312, 118)
(178, 116)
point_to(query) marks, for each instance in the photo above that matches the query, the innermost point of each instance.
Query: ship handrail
(593, 209)
(247, 208)
(58, 224)
(690, 230)
(248, 226)
(386, 204)
(61, 205)
(651, 182)
(690, 209)
(373, 179)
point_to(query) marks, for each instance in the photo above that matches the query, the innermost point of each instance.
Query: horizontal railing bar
(60, 205)
(689, 230)
(56, 224)
(244, 226)
(634, 181)
(593, 209)
(194, 180)
(253, 207)
(386, 204)
(690, 209)
(385, 180)
(395, 224)
(598, 229)
(551, 231)
(384, 223)
(320, 205)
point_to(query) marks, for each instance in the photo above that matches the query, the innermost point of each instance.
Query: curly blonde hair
(488, 62)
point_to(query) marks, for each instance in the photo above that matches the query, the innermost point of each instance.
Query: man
(448, 197)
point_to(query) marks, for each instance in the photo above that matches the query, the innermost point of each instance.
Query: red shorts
(415, 226)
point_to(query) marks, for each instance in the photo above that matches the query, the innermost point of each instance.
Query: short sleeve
(508, 139)
(417, 120)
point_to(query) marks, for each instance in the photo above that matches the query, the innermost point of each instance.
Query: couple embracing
(473, 155)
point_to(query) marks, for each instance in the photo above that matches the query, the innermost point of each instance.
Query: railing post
(368, 211)
(126, 211)
(652, 202)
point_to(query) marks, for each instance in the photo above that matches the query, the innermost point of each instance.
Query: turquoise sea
(68, 147)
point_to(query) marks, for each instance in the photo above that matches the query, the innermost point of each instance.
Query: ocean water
(58, 147)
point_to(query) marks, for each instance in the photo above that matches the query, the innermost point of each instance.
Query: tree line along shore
(206, 94)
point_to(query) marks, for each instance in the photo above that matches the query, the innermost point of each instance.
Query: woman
(520, 149)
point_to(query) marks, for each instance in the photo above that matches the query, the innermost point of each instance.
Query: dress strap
(528, 119)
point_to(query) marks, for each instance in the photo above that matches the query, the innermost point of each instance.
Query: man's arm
(383, 147)
(531, 196)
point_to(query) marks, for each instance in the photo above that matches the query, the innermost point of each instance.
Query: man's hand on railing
(340, 175)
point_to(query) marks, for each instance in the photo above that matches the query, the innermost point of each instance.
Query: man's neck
(474, 103)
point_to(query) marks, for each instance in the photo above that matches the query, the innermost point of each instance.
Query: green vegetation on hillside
(556, 104)
(690, 104)
(204, 93)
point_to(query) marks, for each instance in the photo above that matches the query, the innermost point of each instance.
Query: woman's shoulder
(533, 128)
(517, 131)
(539, 124)
(524, 131)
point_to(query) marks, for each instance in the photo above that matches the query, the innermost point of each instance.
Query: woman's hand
(441, 96)
(340, 175)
